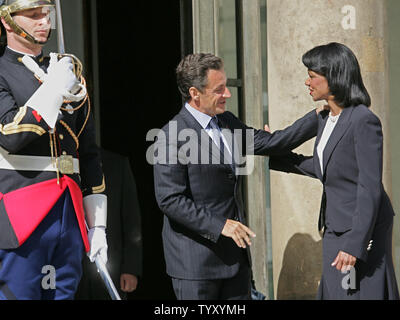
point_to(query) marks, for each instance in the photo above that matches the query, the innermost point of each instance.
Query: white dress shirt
(204, 121)
(330, 125)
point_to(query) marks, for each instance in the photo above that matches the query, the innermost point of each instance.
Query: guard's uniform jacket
(28, 195)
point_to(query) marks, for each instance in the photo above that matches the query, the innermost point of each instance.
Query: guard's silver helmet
(9, 7)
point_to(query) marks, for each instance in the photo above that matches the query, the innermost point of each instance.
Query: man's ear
(194, 93)
(6, 25)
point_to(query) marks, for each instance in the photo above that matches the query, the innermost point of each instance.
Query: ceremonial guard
(51, 181)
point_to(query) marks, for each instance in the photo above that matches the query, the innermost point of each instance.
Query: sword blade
(60, 28)
(101, 267)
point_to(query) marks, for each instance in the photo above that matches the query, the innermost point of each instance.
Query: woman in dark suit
(356, 213)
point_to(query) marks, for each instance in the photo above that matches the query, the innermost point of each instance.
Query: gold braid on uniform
(87, 117)
(71, 133)
(83, 82)
(54, 154)
(67, 127)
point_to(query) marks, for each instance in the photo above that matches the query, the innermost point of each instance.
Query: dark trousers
(48, 265)
(236, 288)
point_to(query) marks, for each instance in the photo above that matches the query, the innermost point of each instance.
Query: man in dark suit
(205, 236)
(124, 233)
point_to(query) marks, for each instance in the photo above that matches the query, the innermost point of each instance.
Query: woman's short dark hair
(338, 64)
(192, 71)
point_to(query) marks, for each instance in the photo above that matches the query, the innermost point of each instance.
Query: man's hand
(344, 261)
(128, 282)
(56, 86)
(238, 232)
(59, 73)
(98, 243)
(266, 128)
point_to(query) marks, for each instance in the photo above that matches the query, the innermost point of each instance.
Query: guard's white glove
(57, 85)
(95, 206)
(76, 91)
(98, 243)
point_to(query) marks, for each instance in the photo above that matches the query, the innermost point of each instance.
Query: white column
(253, 116)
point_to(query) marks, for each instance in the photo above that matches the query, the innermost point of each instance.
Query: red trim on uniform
(76, 195)
(28, 206)
(37, 116)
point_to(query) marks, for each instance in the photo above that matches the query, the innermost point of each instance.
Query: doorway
(139, 47)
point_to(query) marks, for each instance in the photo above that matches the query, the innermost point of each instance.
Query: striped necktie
(219, 141)
(217, 136)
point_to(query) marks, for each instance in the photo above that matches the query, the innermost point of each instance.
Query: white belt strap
(32, 163)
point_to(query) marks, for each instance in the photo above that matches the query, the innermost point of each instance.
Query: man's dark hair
(338, 64)
(192, 71)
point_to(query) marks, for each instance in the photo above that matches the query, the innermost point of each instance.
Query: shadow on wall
(301, 268)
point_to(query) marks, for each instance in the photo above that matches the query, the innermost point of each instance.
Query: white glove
(60, 73)
(77, 91)
(57, 84)
(98, 243)
(53, 71)
(95, 206)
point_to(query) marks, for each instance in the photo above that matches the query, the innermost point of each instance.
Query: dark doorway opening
(139, 44)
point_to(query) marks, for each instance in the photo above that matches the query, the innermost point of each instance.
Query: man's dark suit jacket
(197, 199)
(124, 237)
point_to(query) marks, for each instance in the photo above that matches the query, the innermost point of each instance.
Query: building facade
(261, 42)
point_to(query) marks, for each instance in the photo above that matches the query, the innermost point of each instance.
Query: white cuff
(95, 206)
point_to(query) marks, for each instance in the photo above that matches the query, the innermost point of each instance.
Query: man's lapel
(206, 146)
